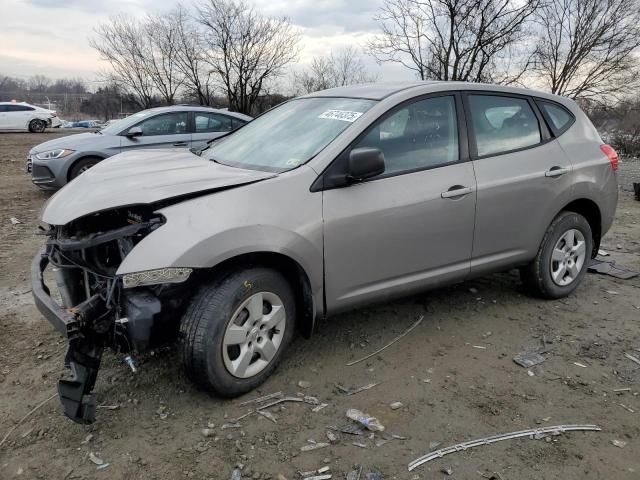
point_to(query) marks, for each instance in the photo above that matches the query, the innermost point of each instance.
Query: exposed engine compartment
(95, 310)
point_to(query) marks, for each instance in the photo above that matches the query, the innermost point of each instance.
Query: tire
(557, 277)
(82, 166)
(37, 126)
(217, 318)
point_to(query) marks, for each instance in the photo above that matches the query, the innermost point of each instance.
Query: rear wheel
(82, 166)
(37, 126)
(563, 257)
(235, 331)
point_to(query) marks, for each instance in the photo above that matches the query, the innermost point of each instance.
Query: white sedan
(22, 116)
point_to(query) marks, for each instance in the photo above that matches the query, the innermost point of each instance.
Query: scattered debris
(528, 360)
(603, 253)
(332, 437)
(447, 470)
(314, 446)
(373, 476)
(262, 399)
(14, 221)
(355, 473)
(109, 407)
(530, 373)
(87, 439)
(619, 443)
(236, 474)
(581, 365)
(41, 404)
(319, 407)
(359, 444)
(267, 414)
(473, 290)
(319, 477)
(370, 423)
(267, 405)
(396, 405)
(556, 430)
(304, 384)
(628, 409)
(434, 445)
(417, 322)
(480, 347)
(609, 268)
(632, 358)
(618, 390)
(103, 466)
(208, 432)
(95, 459)
(230, 425)
(349, 429)
(311, 400)
(353, 391)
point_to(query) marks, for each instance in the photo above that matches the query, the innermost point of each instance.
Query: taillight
(612, 155)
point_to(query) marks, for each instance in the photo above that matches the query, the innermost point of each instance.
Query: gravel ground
(453, 374)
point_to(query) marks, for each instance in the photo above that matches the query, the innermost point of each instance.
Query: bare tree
(190, 57)
(467, 40)
(586, 48)
(39, 83)
(245, 49)
(344, 67)
(120, 41)
(161, 37)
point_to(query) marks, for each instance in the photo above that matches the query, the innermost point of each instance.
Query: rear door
(412, 226)
(166, 130)
(207, 126)
(522, 178)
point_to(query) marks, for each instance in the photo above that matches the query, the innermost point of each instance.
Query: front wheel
(235, 331)
(563, 257)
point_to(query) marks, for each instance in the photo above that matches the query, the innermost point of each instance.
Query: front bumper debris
(83, 357)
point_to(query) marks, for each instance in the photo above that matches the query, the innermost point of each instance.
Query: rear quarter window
(558, 118)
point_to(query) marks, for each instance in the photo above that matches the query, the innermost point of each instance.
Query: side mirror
(365, 163)
(134, 132)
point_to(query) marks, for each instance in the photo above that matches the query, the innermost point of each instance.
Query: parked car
(87, 124)
(23, 116)
(54, 163)
(325, 203)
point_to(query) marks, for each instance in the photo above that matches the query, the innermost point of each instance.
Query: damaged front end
(94, 307)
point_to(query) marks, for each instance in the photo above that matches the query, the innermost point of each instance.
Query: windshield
(289, 135)
(125, 123)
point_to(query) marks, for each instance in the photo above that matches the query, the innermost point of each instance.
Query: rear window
(558, 118)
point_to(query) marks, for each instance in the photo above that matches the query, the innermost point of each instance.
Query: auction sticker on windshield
(344, 115)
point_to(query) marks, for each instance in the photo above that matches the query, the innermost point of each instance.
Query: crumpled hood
(80, 141)
(142, 177)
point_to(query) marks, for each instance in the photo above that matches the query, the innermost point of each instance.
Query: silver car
(325, 203)
(54, 163)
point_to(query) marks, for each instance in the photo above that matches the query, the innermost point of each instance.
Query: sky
(50, 37)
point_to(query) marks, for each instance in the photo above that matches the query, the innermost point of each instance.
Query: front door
(408, 228)
(167, 130)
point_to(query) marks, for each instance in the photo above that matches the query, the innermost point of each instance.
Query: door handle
(556, 172)
(180, 144)
(456, 191)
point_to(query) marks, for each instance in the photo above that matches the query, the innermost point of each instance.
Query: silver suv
(327, 202)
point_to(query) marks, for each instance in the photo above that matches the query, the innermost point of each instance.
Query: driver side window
(166, 124)
(422, 134)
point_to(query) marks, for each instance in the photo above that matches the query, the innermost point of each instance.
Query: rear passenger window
(558, 118)
(423, 134)
(502, 124)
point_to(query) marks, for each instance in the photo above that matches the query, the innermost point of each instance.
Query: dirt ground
(454, 375)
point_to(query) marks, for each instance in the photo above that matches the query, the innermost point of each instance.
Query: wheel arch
(591, 212)
(83, 157)
(290, 269)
